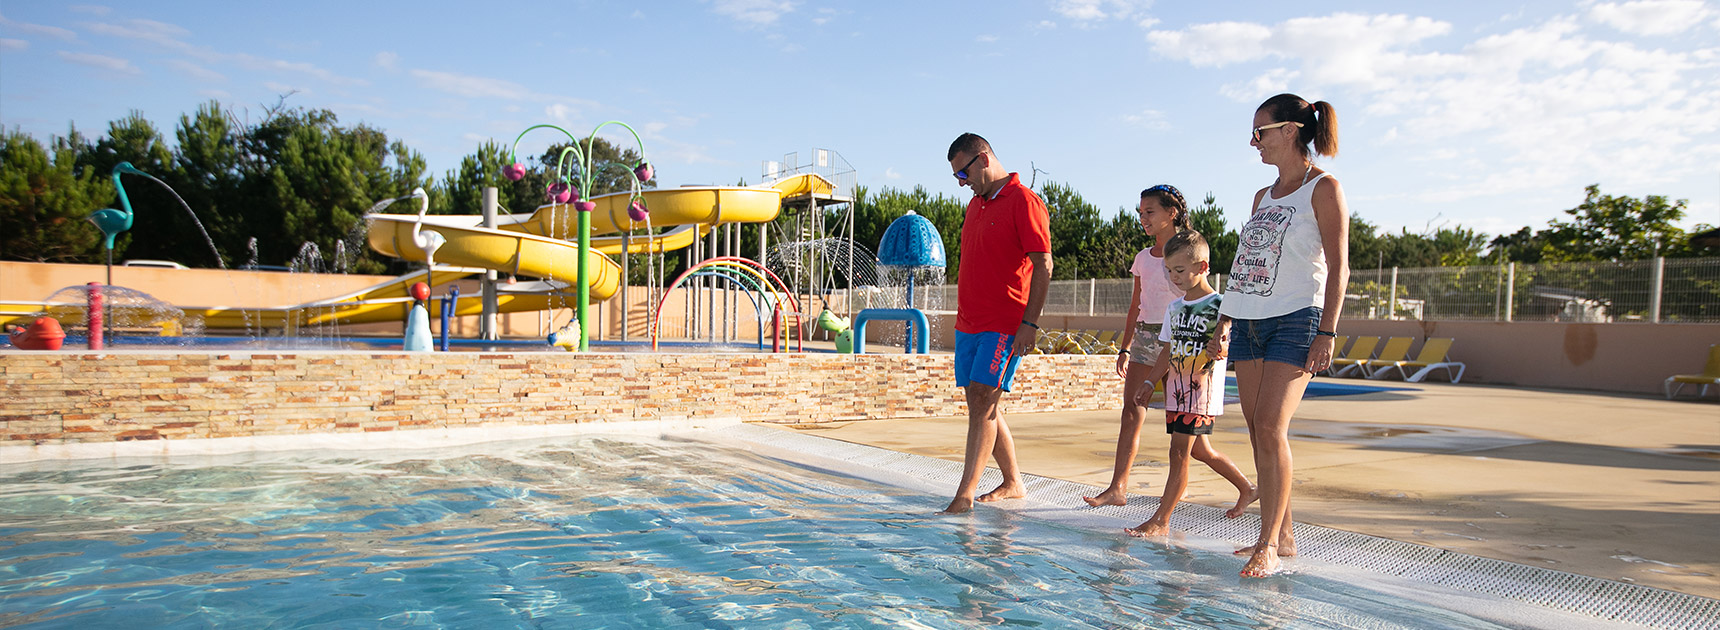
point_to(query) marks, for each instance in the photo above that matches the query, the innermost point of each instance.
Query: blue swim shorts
(1284, 338)
(985, 358)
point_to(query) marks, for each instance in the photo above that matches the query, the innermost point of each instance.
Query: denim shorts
(1284, 338)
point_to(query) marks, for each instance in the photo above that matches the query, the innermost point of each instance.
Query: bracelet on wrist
(1123, 352)
(1328, 333)
(1028, 323)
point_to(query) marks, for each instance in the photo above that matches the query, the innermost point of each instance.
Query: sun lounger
(1396, 349)
(1362, 350)
(1710, 376)
(1432, 357)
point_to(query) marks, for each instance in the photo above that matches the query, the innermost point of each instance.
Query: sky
(1491, 116)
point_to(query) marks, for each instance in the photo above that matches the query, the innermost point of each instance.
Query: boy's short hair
(1189, 241)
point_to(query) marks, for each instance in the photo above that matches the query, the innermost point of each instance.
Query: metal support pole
(626, 307)
(1510, 288)
(1092, 293)
(711, 296)
(1391, 302)
(1656, 282)
(487, 321)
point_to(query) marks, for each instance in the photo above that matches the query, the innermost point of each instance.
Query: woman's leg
(1276, 396)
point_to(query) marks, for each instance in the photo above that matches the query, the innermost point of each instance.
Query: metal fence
(1658, 290)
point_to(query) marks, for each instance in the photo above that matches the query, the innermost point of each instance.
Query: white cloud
(890, 173)
(473, 87)
(1150, 119)
(1543, 106)
(103, 62)
(1651, 17)
(282, 88)
(1094, 10)
(986, 39)
(753, 12)
(38, 29)
(90, 9)
(13, 44)
(172, 37)
(387, 60)
(1211, 45)
(158, 33)
(196, 71)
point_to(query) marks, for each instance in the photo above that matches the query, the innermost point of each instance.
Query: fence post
(1656, 280)
(1510, 288)
(1391, 302)
(1092, 294)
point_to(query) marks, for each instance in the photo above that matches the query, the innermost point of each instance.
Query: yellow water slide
(535, 245)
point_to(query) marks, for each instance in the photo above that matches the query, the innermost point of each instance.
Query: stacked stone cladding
(76, 397)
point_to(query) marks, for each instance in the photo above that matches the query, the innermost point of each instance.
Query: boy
(1194, 385)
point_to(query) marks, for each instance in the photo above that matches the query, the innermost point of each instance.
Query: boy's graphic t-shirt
(1194, 382)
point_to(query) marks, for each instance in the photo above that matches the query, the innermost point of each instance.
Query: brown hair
(1169, 197)
(1190, 241)
(1319, 122)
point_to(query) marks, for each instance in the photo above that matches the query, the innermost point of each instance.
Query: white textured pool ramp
(1602, 600)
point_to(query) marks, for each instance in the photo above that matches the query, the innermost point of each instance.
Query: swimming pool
(591, 532)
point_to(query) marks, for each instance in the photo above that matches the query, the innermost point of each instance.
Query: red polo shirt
(997, 235)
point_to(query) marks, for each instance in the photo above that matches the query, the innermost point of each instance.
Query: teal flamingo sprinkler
(110, 221)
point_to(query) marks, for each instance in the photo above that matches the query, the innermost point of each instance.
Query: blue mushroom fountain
(911, 245)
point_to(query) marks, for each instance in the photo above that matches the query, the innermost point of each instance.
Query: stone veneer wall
(82, 397)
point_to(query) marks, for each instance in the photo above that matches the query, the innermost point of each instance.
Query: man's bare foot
(959, 505)
(1264, 562)
(1286, 548)
(1008, 490)
(1111, 496)
(1149, 528)
(1242, 503)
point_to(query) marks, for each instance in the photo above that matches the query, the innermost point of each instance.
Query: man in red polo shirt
(1000, 289)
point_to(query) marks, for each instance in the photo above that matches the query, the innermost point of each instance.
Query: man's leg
(1003, 450)
(982, 434)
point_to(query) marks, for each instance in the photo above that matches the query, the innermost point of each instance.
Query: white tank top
(1280, 265)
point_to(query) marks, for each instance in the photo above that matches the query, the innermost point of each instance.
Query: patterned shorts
(1146, 345)
(1187, 423)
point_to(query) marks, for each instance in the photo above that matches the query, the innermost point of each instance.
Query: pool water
(594, 532)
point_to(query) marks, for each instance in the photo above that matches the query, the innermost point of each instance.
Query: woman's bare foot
(1111, 496)
(1242, 503)
(1009, 490)
(1149, 528)
(959, 505)
(1286, 547)
(1264, 562)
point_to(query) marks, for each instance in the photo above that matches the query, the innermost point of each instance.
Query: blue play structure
(911, 244)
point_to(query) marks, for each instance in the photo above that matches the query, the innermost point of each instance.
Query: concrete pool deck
(1611, 486)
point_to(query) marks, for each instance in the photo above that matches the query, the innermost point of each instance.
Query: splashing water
(126, 309)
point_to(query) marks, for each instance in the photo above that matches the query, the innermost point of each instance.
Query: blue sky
(1488, 115)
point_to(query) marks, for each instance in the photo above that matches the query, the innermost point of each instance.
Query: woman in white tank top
(1283, 300)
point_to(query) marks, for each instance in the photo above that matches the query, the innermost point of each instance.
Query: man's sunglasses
(962, 174)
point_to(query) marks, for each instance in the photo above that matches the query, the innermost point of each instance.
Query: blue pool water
(594, 532)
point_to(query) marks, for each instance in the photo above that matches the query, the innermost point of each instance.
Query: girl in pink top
(1163, 214)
